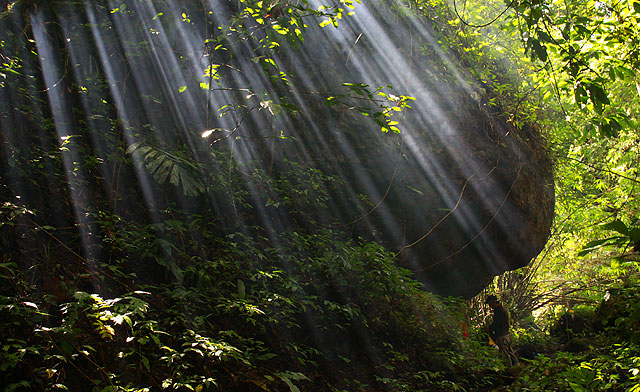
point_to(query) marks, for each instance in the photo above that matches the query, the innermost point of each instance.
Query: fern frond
(163, 165)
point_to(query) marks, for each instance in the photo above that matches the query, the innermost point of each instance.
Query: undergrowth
(174, 306)
(587, 348)
(192, 311)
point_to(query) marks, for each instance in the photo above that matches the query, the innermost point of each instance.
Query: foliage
(604, 355)
(575, 64)
(592, 52)
(607, 370)
(626, 238)
(163, 165)
(587, 48)
(238, 316)
(119, 295)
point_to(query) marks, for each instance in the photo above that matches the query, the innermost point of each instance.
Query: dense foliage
(116, 296)
(238, 317)
(576, 64)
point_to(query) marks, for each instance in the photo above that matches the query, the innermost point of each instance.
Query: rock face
(458, 194)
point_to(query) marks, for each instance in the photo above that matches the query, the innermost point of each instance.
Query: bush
(243, 314)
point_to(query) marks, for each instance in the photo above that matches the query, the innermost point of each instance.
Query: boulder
(458, 193)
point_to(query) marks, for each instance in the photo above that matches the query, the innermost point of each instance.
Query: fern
(162, 165)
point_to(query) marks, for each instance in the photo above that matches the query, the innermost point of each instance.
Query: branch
(455, 9)
(600, 169)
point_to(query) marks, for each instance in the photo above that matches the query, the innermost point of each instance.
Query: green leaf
(152, 166)
(582, 30)
(597, 94)
(133, 147)
(593, 245)
(161, 174)
(605, 127)
(615, 125)
(617, 226)
(624, 72)
(287, 377)
(145, 362)
(534, 16)
(580, 94)
(175, 175)
(182, 89)
(162, 165)
(540, 50)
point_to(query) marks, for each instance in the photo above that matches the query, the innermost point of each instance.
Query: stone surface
(459, 194)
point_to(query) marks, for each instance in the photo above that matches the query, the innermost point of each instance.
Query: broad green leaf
(580, 94)
(593, 245)
(153, 166)
(598, 95)
(540, 50)
(132, 147)
(617, 226)
(175, 176)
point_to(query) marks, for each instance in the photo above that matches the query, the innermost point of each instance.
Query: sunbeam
(237, 146)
